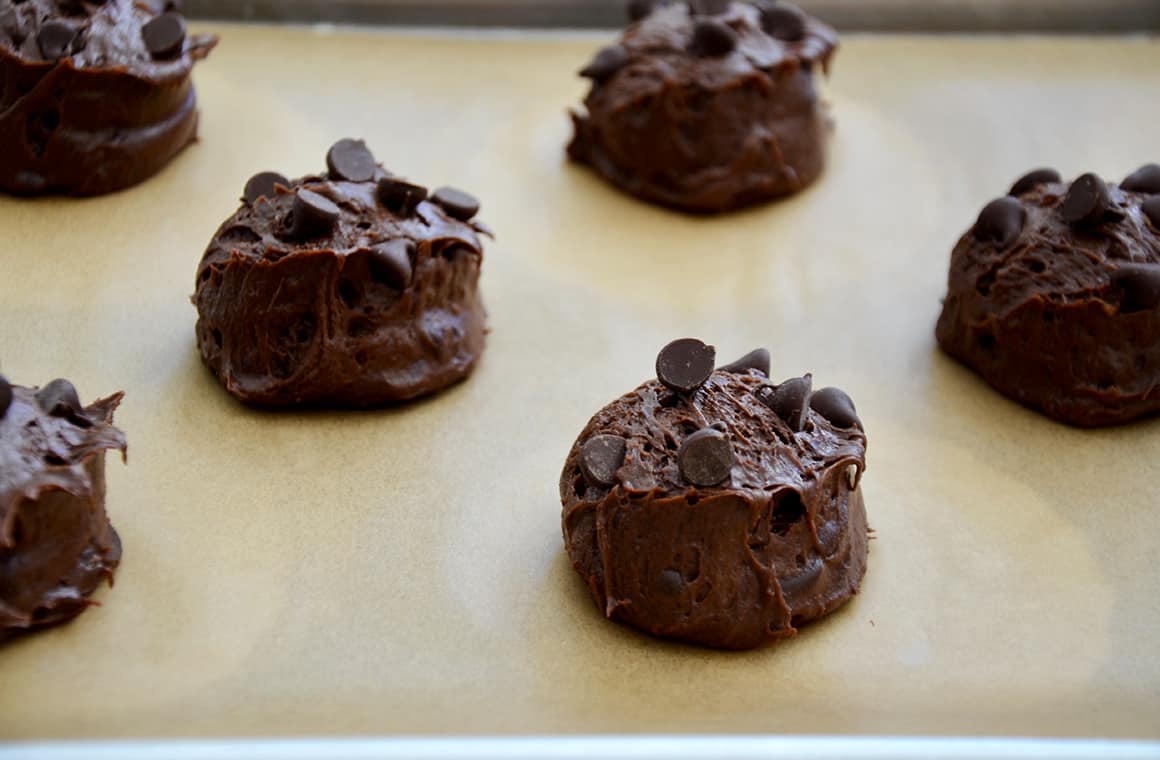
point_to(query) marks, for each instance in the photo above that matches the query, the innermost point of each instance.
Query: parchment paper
(402, 571)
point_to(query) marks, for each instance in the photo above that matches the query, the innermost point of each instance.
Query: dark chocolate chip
(671, 582)
(791, 401)
(600, 457)
(164, 35)
(638, 9)
(55, 39)
(1001, 220)
(1146, 179)
(5, 396)
(835, 406)
(709, 7)
(59, 398)
(1151, 210)
(712, 38)
(705, 458)
(351, 160)
(1034, 179)
(720, 427)
(1087, 201)
(606, 63)
(458, 204)
(685, 364)
(261, 185)
(391, 262)
(1140, 284)
(783, 22)
(311, 216)
(400, 196)
(757, 359)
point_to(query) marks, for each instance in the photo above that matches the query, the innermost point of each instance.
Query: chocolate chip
(1034, 179)
(600, 458)
(638, 9)
(685, 364)
(1086, 202)
(783, 22)
(351, 160)
(400, 196)
(709, 7)
(1146, 179)
(712, 38)
(720, 426)
(1001, 220)
(791, 401)
(59, 398)
(458, 204)
(1140, 284)
(5, 396)
(55, 39)
(705, 458)
(261, 185)
(391, 262)
(606, 63)
(311, 216)
(757, 359)
(835, 406)
(164, 35)
(1151, 209)
(671, 582)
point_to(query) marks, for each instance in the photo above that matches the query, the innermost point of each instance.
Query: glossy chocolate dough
(1040, 319)
(706, 134)
(56, 543)
(101, 120)
(284, 323)
(781, 543)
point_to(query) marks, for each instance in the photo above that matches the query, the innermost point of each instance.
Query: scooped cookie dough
(353, 288)
(708, 106)
(56, 543)
(1053, 296)
(713, 507)
(94, 96)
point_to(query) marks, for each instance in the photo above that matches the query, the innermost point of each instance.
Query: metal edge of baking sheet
(1048, 16)
(626, 748)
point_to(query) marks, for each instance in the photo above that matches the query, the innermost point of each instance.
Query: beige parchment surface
(402, 571)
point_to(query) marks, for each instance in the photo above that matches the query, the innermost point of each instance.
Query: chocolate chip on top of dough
(1087, 201)
(1001, 220)
(164, 35)
(608, 61)
(727, 471)
(1034, 179)
(685, 364)
(1146, 179)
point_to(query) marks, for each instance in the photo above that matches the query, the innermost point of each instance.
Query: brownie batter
(726, 516)
(56, 543)
(1053, 297)
(354, 288)
(94, 96)
(708, 106)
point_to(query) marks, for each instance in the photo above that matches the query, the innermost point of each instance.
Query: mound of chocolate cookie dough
(713, 507)
(94, 96)
(353, 288)
(708, 106)
(56, 543)
(1053, 296)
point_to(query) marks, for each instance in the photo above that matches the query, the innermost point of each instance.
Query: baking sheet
(401, 571)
